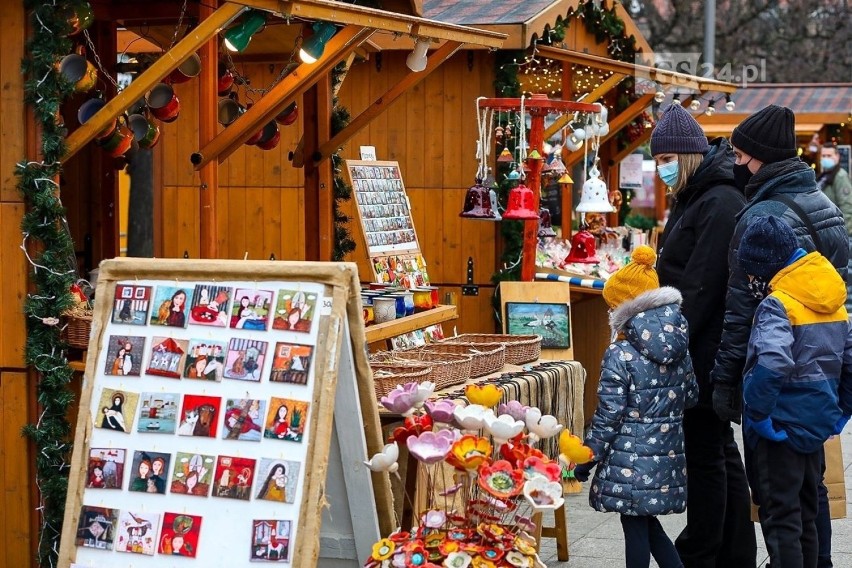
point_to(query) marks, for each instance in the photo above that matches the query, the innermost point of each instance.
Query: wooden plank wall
(16, 387)
(431, 131)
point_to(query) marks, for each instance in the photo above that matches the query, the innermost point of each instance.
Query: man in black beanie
(777, 183)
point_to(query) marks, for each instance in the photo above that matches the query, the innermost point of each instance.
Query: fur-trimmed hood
(653, 323)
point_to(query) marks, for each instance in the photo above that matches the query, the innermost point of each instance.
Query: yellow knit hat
(632, 279)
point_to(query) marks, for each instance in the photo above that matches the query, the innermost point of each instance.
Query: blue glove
(582, 471)
(841, 423)
(765, 429)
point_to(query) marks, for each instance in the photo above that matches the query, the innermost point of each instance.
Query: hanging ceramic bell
(565, 178)
(557, 166)
(594, 197)
(495, 204)
(477, 203)
(514, 175)
(545, 224)
(498, 133)
(505, 156)
(534, 155)
(520, 206)
(582, 248)
(575, 141)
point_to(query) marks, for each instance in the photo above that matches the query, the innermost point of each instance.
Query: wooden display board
(208, 427)
(540, 308)
(385, 216)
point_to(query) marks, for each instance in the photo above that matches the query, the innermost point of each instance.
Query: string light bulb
(695, 104)
(729, 104)
(660, 95)
(676, 99)
(711, 108)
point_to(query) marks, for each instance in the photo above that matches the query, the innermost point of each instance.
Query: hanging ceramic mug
(164, 103)
(225, 81)
(187, 70)
(146, 132)
(80, 16)
(270, 135)
(78, 71)
(228, 111)
(88, 109)
(119, 141)
(254, 138)
(289, 115)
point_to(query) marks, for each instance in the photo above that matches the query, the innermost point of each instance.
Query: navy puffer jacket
(795, 179)
(646, 383)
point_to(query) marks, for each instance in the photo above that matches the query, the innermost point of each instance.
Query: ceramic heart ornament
(503, 428)
(573, 450)
(472, 416)
(431, 447)
(386, 460)
(541, 426)
(543, 494)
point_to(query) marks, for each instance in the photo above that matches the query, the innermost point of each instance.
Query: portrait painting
(251, 309)
(179, 535)
(124, 355)
(170, 306)
(286, 420)
(116, 410)
(105, 469)
(193, 474)
(295, 310)
(149, 472)
(205, 360)
(276, 480)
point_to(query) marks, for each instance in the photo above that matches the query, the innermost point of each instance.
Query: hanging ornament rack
(538, 106)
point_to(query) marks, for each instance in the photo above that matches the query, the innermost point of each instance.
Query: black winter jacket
(796, 179)
(693, 254)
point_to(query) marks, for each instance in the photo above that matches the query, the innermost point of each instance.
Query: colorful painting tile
(132, 304)
(291, 363)
(105, 469)
(205, 360)
(137, 532)
(295, 310)
(96, 527)
(116, 410)
(124, 355)
(277, 480)
(210, 305)
(179, 535)
(286, 420)
(170, 306)
(199, 415)
(234, 477)
(251, 309)
(149, 472)
(271, 540)
(167, 357)
(245, 359)
(244, 419)
(158, 412)
(193, 474)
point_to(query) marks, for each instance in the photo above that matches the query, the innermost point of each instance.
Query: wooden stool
(559, 531)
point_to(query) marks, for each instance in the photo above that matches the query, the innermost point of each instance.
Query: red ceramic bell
(477, 203)
(545, 224)
(520, 206)
(583, 248)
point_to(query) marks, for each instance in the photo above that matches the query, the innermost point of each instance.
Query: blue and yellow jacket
(799, 363)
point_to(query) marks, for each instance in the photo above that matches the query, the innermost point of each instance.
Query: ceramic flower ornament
(469, 452)
(441, 410)
(541, 427)
(411, 426)
(514, 409)
(431, 447)
(434, 519)
(543, 494)
(500, 479)
(424, 391)
(485, 395)
(401, 400)
(458, 560)
(571, 449)
(503, 428)
(536, 466)
(472, 417)
(386, 460)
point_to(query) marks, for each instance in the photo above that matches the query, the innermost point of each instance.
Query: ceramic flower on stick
(484, 479)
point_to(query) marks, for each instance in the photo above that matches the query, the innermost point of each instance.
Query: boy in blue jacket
(797, 387)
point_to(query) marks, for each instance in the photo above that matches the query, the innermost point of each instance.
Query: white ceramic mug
(384, 309)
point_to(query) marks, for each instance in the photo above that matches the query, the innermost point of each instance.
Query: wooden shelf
(381, 331)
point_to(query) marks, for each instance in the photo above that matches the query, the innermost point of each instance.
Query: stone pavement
(596, 541)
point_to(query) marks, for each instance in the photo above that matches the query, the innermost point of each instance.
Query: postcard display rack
(209, 431)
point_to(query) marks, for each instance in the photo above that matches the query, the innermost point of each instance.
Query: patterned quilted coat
(637, 432)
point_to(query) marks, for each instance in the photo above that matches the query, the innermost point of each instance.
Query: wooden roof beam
(592, 97)
(382, 103)
(297, 82)
(661, 76)
(351, 14)
(206, 29)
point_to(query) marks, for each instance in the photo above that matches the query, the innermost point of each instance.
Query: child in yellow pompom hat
(647, 382)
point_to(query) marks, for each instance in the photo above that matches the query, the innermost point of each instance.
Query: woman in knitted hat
(694, 259)
(777, 183)
(637, 431)
(797, 387)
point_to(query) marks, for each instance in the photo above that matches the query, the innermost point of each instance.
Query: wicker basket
(447, 370)
(519, 348)
(77, 329)
(487, 357)
(386, 376)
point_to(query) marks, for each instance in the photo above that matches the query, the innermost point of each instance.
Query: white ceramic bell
(575, 141)
(595, 197)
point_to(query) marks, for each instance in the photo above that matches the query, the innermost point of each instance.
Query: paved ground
(596, 541)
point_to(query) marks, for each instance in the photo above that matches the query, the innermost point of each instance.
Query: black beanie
(768, 135)
(766, 246)
(678, 132)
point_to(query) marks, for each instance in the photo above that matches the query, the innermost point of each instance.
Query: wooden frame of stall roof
(359, 23)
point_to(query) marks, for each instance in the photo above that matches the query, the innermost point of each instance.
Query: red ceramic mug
(228, 111)
(225, 81)
(164, 103)
(270, 135)
(289, 115)
(187, 70)
(146, 132)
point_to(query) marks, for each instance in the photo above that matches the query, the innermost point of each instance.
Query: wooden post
(207, 128)
(534, 183)
(566, 189)
(310, 116)
(324, 174)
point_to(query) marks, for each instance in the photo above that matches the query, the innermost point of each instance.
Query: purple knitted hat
(678, 132)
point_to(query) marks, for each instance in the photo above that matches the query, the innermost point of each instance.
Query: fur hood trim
(643, 302)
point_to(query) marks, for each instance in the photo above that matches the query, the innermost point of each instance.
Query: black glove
(728, 401)
(582, 471)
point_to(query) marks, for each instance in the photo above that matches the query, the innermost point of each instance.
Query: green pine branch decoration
(54, 268)
(343, 241)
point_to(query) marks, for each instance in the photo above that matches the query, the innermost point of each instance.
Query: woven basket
(447, 370)
(77, 329)
(487, 357)
(387, 376)
(519, 348)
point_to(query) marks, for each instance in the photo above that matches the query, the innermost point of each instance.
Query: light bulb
(695, 104)
(730, 105)
(710, 109)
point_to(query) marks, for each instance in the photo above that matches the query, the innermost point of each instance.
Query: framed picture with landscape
(551, 321)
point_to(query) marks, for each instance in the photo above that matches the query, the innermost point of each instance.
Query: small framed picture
(179, 535)
(205, 360)
(124, 355)
(96, 527)
(287, 419)
(234, 477)
(193, 474)
(291, 363)
(277, 480)
(105, 469)
(270, 540)
(199, 415)
(158, 412)
(150, 470)
(170, 306)
(137, 532)
(551, 321)
(131, 304)
(244, 419)
(116, 410)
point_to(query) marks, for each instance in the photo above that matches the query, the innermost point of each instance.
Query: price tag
(325, 309)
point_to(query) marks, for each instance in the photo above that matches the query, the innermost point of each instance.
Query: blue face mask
(668, 173)
(827, 163)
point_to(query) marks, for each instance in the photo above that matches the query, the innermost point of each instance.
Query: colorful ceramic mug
(164, 103)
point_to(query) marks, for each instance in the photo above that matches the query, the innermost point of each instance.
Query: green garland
(343, 242)
(54, 272)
